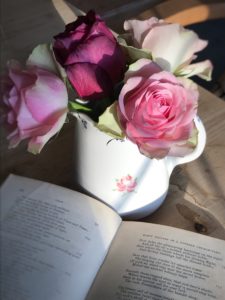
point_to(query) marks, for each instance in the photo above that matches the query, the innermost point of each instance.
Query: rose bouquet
(135, 86)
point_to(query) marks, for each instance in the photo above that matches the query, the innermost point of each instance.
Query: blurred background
(209, 23)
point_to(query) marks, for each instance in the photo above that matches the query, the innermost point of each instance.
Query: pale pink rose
(156, 110)
(35, 104)
(172, 46)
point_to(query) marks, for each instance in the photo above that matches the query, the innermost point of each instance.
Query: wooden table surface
(196, 199)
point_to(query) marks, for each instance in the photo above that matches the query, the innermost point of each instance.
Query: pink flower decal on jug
(126, 184)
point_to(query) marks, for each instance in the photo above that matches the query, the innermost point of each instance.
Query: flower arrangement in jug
(135, 86)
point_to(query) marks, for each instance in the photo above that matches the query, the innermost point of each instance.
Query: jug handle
(172, 162)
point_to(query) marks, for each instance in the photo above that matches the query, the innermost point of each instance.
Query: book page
(53, 240)
(155, 262)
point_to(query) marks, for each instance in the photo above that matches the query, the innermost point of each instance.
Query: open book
(58, 244)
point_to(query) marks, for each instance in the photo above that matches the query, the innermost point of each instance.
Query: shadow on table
(54, 164)
(193, 204)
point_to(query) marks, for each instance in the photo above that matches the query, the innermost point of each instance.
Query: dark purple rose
(91, 56)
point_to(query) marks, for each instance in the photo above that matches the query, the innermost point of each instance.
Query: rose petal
(46, 96)
(202, 69)
(101, 51)
(36, 144)
(175, 46)
(90, 81)
(143, 66)
(139, 29)
(21, 78)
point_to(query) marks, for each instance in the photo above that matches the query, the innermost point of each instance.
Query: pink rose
(172, 46)
(91, 56)
(35, 102)
(156, 110)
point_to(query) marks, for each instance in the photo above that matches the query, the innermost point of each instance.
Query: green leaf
(193, 140)
(133, 53)
(108, 122)
(98, 107)
(60, 69)
(74, 106)
(42, 56)
(122, 40)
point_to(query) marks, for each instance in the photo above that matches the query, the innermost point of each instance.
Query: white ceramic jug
(116, 173)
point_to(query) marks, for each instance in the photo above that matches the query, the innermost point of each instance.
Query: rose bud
(172, 46)
(35, 104)
(93, 60)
